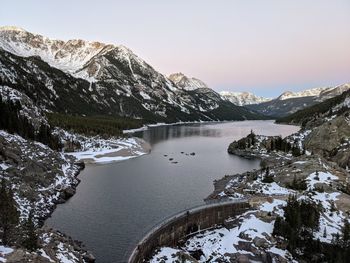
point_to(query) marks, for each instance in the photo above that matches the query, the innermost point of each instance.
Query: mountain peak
(242, 98)
(187, 83)
(12, 28)
(304, 93)
(69, 56)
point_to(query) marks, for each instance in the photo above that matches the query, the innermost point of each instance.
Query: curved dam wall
(177, 227)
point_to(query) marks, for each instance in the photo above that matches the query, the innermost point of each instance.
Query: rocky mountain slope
(92, 78)
(242, 98)
(290, 102)
(39, 178)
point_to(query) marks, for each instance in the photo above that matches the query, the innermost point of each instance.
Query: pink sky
(261, 46)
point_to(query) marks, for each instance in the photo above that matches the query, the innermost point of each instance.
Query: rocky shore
(54, 247)
(40, 179)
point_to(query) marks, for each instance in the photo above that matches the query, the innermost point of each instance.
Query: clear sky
(263, 46)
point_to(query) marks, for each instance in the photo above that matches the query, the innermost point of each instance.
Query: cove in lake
(117, 203)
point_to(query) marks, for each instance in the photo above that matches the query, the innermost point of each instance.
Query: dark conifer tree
(9, 215)
(346, 233)
(30, 237)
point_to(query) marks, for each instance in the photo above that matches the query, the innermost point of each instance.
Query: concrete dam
(179, 226)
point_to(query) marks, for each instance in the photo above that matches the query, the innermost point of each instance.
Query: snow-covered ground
(99, 150)
(53, 172)
(3, 252)
(224, 245)
(121, 149)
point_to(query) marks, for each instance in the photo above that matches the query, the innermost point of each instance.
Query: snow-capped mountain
(242, 98)
(333, 91)
(69, 56)
(187, 83)
(305, 93)
(290, 102)
(93, 78)
(322, 93)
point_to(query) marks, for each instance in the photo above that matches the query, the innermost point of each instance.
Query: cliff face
(332, 140)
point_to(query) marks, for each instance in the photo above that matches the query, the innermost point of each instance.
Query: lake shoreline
(147, 126)
(149, 173)
(119, 152)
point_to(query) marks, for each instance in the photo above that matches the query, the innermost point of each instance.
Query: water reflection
(162, 133)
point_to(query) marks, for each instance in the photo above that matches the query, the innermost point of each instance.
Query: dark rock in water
(81, 165)
(170, 159)
(165, 155)
(68, 193)
(174, 162)
(193, 154)
(182, 152)
(88, 257)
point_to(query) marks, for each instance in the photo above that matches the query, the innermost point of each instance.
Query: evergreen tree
(30, 237)
(346, 233)
(253, 137)
(9, 215)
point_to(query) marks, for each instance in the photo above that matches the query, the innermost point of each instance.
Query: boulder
(260, 242)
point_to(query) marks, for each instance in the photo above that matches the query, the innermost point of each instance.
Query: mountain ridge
(242, 98)
(96, 78)
(291, 102)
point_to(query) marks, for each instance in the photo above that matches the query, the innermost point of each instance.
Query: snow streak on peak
(187, 83)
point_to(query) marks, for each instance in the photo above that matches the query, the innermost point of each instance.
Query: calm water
(116, 204)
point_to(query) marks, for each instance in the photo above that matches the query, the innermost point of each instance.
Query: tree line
(13, 122)
(94, 125)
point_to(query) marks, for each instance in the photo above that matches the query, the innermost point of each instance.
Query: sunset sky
(265, 47)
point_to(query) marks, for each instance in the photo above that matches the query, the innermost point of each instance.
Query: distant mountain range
(320, 112)
(290, 102)
(286, 103)
(242, 98)
(93, 78)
